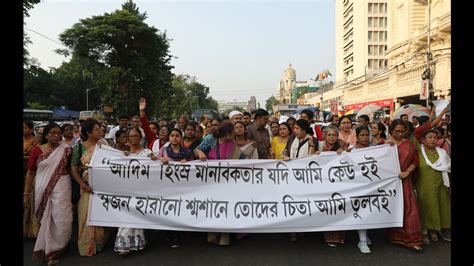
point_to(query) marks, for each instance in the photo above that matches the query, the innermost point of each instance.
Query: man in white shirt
(123, 124)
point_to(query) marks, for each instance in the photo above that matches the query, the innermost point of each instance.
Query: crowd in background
(56, 190)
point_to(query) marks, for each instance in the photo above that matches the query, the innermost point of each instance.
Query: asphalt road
(257, 249)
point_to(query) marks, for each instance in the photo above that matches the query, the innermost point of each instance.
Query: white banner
(356, 190)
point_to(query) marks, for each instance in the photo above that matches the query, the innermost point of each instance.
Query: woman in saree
(121, 140)
(378, 133)
(132, 239)
(347, 134)
(30, 224)
(222, 147)
(279, 142)
(432, 184)
(48, 167)
(68, 136)
(332, 142)
(410, 234)
(190, 141)
(247, 147)
(91, 239)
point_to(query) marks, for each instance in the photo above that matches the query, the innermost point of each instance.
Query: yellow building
(401, 81)
(408, 49)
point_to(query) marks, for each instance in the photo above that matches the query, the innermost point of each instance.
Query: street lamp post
(87, 97)
(428, 55)
(321, 109)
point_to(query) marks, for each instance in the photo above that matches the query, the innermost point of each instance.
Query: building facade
(400, 83)
(361, 38)
(252, 104)
(409, 46)
(286, 86)
(223, 106)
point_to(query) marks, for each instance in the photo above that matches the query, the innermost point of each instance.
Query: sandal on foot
(53, 262)
(417, 248)
(433, 236)
(426, 240)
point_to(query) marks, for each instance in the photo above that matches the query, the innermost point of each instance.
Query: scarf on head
(443, 164)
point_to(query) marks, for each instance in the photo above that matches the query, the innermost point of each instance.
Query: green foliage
(132, 58)
(186, 96)
(73, 78)
(27, 5)
(39, 88)
(270, 102)
(36, 105)
(124, 59)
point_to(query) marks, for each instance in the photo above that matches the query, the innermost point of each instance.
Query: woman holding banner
(223, 148)
(175, 152)
(332, 142)
(362, 141)
(132, 239)
(48, 167)
(91, 239)
(410, 234)
(301, 144)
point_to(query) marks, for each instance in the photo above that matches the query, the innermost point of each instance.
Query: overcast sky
(237, 48)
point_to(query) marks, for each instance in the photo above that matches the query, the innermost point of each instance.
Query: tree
(73, 78)
(27, 5)
(40, 89)
(131, 58)
(270, 103)
(187, 96)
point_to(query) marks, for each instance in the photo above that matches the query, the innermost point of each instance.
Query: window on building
(381, 22)
(381, 63)
(376, 22)
(376, 36)
(385, 36)
(376, 6)
(381, 8)
(381, 50)
(370, 36)
(370, 22)
(370, 8)
(381, 36)
(370, 50)
(369, 63)
(385, 22)
(385, 5)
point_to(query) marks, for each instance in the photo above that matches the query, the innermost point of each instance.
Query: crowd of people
(56, 158)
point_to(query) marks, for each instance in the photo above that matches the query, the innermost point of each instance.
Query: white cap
(231, 114)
